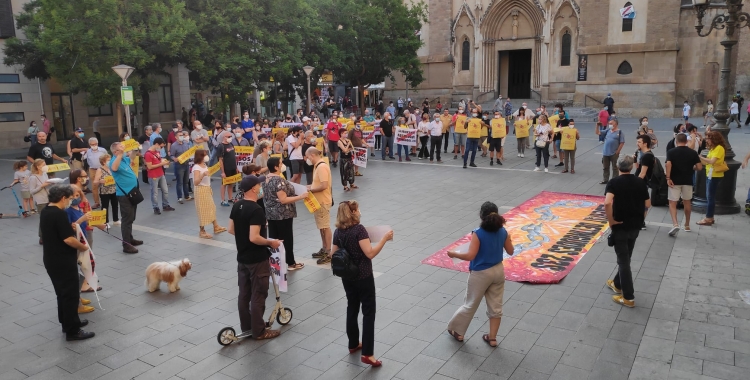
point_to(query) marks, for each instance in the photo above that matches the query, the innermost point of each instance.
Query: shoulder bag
(134, 196)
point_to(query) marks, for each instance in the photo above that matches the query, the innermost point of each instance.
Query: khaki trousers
(488, 283)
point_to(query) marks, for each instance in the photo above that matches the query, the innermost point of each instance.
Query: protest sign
(109, 181)
(243, 155)
(368, 135)
(134, 163)
(266, 130)
(130, 145)
(243, 149)
(57, 167)
(406, 136)
(290, 125)
(87, 263)
(212, 170)
(188, 153)
(98, 218)
(360, 157)
(553, 120)
(320, 144)
(232, 179)
(376, 233)
(310, 201)
(277, 130)
(568, 139)
(278, 267)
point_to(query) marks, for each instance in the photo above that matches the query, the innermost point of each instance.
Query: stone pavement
(689, 322)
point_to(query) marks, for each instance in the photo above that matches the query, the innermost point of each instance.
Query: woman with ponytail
(486, 274)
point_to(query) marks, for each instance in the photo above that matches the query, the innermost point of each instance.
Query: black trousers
(67, 290)
(542, 152)
(127, 211)
(435, 145)
(377, 141)
(252, 280)
(361, 292)
(423, 149)
(107, 200)
(283, 230)
(445, 141)
(624, 243)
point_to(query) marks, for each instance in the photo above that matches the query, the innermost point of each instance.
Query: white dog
(171, 273)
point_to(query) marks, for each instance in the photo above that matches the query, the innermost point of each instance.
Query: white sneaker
(546, 170)
(519, 154)
(180, 200)
(117, 223)
(522, 156)
(673, 232)
(536, 169)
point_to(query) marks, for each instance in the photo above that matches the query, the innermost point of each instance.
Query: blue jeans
(406, 150)
(156, 185)
(471, 146)
(183, 180)
(711, 185)
(387, 143)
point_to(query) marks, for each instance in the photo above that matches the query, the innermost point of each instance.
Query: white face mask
(474, 115)
(611, 126)
(309, 162)
(283, 168)
(497, 116)
(572, 125)
(69, 203)
(181, 138)
(94, 148)
(238, 135)
(645, 122)
(199, 127)
(45, 168)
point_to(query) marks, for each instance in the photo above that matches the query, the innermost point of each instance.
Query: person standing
(499, 130)
(352, 236)
(686, 111)
(486, 274)
(498, 106)
(105, 185)
(626, 198)
(248, 127)
(321, 189)
(294, 146)
(521, 128)
(386, 128)
(715, 168)
(423, 132)
(542, 138)
(609, 103)
(447, 120)
(347, 164)
(61, 260)
(400, 103)
(740, 102)
(568, 143)
(682, 162)
(309, 142)
(125, 182)
(46, 125)
(614, 140)
(204, 200)
(199, 136)
(181, 170)
(390, 109)
(436, 135)
(228, 164)
(602, 126)
(92, 159)
(44, 150)
(155, 166)
(38, 186)
(247, 222)
(473, 133)
(333, 136)
(459, 134)
(734, 113)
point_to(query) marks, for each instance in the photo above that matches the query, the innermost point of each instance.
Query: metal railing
(539, 94)
(587, 97)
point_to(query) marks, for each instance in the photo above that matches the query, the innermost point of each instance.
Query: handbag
(721, 168)
(610, 240)
(134, 196)
(541, 144)
(27, 138)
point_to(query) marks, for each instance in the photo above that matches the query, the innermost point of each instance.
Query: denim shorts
(459, 139)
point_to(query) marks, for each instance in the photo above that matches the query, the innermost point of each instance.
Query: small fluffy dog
(171, 273)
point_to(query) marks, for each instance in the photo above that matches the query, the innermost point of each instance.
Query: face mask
(309, 162)
(84, 181)
(460, 111)
(126, 138)
(238, 135)
(45, 168)
(497, 116)
(181, 138)
(75, 202)
(572, 126)
(94, 148)
(611, 127)
(34, 125)
(199, 127)
(174, 130)
(645, 122)
(69, 203)
(80, 135)
(474, 115)
(283, 168)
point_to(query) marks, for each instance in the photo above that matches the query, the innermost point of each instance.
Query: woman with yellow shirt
(521, 130)
(715, 168)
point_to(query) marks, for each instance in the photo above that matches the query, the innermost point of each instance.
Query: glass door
(62, 115)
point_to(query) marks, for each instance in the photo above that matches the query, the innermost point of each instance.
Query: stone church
(646, 53)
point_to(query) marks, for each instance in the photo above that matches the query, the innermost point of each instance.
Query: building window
(566, 42)
(11, 98)
(9, 78)
(625, 68)
(165, 94)
(627, 23)
(7, 24)
(105, 110)
(465, 54)
(7, 117)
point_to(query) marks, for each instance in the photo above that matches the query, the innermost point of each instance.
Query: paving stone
(406, 350)
(461, 366)
(501, 363)
(207, 367)
(705, 353)
(527, 374)
(555, 338)
(724, 371)
(342, 370)
(687, 364)
(580, 356)
(608, 370)
(647, 369)
(519, 341)
(660, 328)
(541, 359)
(656, 349)
(422, 367)
(619, 352)
(568, 320)
(627, 332)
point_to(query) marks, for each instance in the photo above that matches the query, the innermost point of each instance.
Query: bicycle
(21, 213)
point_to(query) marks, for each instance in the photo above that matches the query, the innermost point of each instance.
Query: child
(654, 140)
(22, 176)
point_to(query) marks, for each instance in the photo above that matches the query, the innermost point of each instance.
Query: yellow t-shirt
(522, 128)
(461, 124)
(718, 153)
(485, 133)
(475, 128)
(498, 128)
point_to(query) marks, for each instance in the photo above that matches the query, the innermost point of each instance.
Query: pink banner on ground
(551, 232)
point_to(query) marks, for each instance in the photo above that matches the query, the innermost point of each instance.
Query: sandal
(269, 334)
(91, 290)
(346, 188)
(456, 336)
(205, 235)
(687, 228)
(564, 171)
(358, 174)
(219, 230)
(572, 172)
(296, 266)
(706, 222)
(486, 338)
(355, 187)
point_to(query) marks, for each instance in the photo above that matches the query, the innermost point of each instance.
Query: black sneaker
(157, 212)
(84, 322)
(643, 227)
(498, 162)
(492, 162)
(168, 208)
(80, 335)
(319, 254)
(464, 166)
(472, 165)
(560, 164)
(136, 242)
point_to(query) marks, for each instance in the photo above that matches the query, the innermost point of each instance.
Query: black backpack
(343, 266)
(657, 174)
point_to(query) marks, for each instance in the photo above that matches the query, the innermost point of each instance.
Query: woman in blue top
(486, 274)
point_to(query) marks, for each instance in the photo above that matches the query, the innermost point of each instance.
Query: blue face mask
(75, 201)
(80, 135)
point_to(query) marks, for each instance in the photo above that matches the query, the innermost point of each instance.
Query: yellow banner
(311, 203)
(320, 144)
(212, 170)
(278, 155)
(244, 149)
(368, 128)
(233, 179)
(58, 167)
(98, 218)
(134, 163)
(461, 124)
(130, 145)
(498, 128)
(475, 129)
(553, 121)
(522, 128)
(210, 132)
(274, 131)
(109, 181)
(188, 153)
(568, 141)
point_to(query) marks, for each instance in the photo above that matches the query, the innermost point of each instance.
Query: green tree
(77, 42)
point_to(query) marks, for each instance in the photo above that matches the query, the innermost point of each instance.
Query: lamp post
(731, 21)
(124, 72)
(308, 71)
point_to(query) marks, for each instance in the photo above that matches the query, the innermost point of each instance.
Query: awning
(379, 86)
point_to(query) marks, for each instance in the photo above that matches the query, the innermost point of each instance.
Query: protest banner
(57, 167)
(109, 181)
(98, 217)
(130, 145)
(278, 267)
(87, 262)
(376, 233)
(277, 155)
(553, 120)
(320, 144)
(243, 155)
(212, 170)
(188, 153)
(310, 201)
(266, 130)
(568, 139)
(290, 125)
(134, 164)
(360, 157)
(368, 135)
(274, 131)
(406, 136)
(232, 179)
(244, 149)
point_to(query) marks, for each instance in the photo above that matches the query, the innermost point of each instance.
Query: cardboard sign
(134, 163)
(568, 141)
(553, 121)
(233, 179)
(475, 129)
(98, 218)
(320, 144)
(274, 131)
(278, 267)
(109, 181)
(244, 150)
(213, 169)
(188, 153)
(58, 167)
(522, 128)
(266, 130)
(360, 157)
(498, 128)
(406, 136)
(368, 135)
(460, 124)
(376, 233)
(277, 155)
(131, 145)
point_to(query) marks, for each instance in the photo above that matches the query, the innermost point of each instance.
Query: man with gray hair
(145, 139)
(626, 199)
(157, 133)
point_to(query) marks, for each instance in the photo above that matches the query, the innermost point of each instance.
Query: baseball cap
(304, 119)
(79, 129)
(250, 181)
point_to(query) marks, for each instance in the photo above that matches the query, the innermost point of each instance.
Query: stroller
(21, 213)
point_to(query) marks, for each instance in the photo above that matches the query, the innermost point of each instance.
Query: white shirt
(294, 153)
(423, 129)
(436, 128)
(543, 130)
(529, 113)
(96, 125)
(206, 180)
(734, 109)
(686, 110)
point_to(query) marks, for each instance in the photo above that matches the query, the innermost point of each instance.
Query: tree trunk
(145, 107)
(361, 96)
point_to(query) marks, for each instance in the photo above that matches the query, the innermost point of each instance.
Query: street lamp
(124, 72)
(732, 20)
(308, 71)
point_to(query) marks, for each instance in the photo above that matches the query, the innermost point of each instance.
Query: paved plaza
(689, 321)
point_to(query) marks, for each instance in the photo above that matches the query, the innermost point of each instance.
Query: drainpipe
(41, 101)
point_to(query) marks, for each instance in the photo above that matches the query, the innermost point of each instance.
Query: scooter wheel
(284, 316)
(225, 336)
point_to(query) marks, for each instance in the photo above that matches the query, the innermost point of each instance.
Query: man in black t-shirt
(647, 160)
(228, 163)
(77, 146)
(247, 222)
(682, 162)
(42, 150)
(626, 198)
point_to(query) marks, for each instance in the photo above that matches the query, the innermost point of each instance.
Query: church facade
(646, 53)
